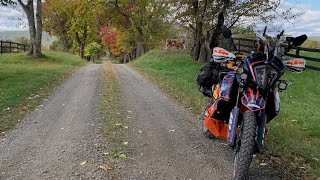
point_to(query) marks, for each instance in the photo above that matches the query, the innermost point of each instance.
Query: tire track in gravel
(165, 141)
(54, 139)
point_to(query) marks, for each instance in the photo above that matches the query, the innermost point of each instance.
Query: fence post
(9, 47)
(17, 47)
(239, 45)
(297, 51)
(24, 48)
(1, 47)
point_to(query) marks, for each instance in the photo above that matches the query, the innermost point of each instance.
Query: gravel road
(165, 141)
(56, 138)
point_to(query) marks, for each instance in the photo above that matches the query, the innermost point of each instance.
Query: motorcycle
(247, 98)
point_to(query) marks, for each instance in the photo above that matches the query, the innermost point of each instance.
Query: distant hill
(315, 38)
(11, 35)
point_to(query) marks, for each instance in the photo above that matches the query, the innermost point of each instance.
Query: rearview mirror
(226, 32)
(297, 41)
(279, 35)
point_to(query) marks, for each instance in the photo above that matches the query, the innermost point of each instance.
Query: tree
(93, 49)
(109, 37)
(7, 2)
(142, 24)
(34, 22)
(76, 22)
(205, 17)
(35, 25)
(56, 21)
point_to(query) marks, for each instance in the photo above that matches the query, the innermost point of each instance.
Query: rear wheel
(246, 144)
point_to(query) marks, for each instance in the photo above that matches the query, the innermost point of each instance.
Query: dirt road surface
(56, 138)
(165, 140)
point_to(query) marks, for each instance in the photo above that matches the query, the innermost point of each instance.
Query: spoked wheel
(245, 147)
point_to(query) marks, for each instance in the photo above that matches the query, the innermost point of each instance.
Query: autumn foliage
(109, 37)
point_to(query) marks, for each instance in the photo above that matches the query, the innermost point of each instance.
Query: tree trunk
(29, 10)
(199, 10)
(82, 41)
(220, 21)
(205, 51)
(81, 50)
(37, 51)
(140, 45)
(65, 43)
(32, 32)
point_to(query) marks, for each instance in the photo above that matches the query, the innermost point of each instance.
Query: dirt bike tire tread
(247, 145)
(208, 134)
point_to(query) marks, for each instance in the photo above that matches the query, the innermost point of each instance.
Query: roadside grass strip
(293, 142)
(113, 116)
(25, 82)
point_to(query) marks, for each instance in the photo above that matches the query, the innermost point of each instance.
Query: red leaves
(109, 36)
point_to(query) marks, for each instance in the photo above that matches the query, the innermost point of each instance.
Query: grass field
(25, 81)
(294, 136)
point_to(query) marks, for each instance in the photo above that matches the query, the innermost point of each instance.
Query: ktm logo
(220, 51)
(295, 62)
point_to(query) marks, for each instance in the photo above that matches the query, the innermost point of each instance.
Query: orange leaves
(109, 36)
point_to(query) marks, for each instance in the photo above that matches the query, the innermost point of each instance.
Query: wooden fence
(248, 45)
(12, 47)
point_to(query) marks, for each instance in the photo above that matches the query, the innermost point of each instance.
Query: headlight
(282, 85)
(260, 73)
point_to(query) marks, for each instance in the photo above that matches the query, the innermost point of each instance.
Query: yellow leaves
(123, 156)
(105, 167)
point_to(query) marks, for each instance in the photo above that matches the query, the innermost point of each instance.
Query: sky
(309, 23)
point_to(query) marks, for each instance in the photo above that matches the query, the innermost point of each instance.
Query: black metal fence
(12, 47)
(245, 45)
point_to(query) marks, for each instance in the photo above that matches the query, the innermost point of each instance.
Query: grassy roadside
(114, 119)
(294, 138)
(25, 82)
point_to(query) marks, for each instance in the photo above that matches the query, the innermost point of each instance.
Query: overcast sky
(309, 23)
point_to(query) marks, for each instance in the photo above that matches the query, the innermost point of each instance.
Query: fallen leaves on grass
(123, 156)
(263, 164)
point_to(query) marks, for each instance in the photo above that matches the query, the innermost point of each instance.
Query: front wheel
(244, 153)
(206, 132)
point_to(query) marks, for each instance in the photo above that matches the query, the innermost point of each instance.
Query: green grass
(24, 81)
(294, 134)
(115, 60)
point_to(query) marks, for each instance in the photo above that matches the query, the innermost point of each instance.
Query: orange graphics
(217, 128)
(295, 62)
(216, 91)
(221, 51)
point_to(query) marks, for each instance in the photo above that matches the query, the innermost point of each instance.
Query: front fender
(252, 100)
